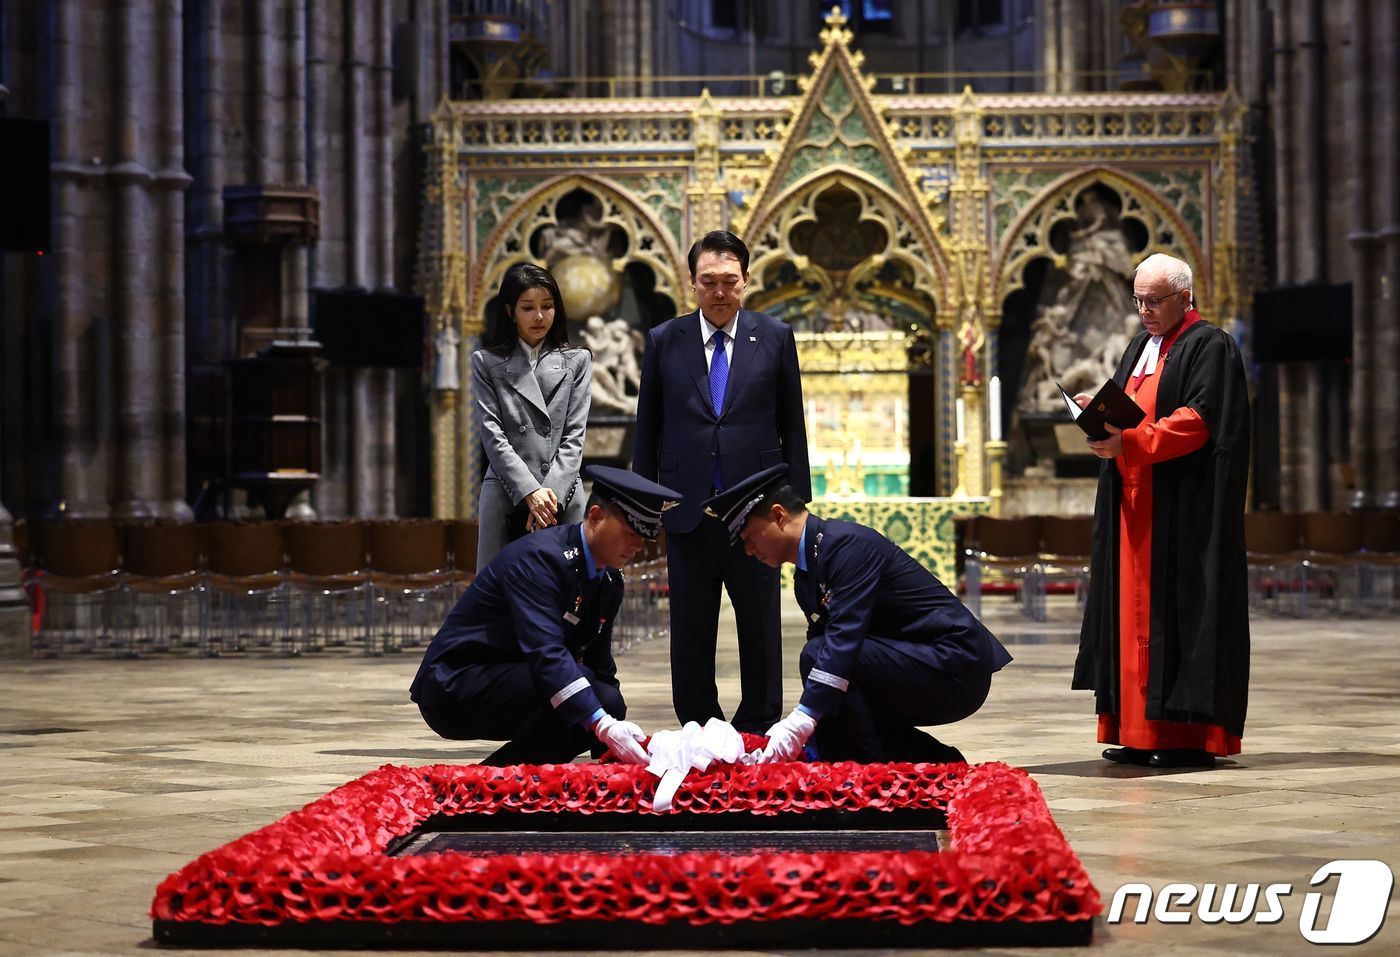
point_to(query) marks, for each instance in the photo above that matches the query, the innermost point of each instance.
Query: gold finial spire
(836, 32)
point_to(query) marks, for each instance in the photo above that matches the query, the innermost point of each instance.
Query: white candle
(994, 407)
(962, 432)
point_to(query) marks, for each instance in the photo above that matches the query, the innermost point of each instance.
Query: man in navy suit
(526, 655)
(889, 648)
(720, 399)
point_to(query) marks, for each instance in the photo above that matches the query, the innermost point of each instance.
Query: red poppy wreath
(331, 868)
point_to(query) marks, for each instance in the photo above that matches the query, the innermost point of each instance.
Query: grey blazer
(532, 429)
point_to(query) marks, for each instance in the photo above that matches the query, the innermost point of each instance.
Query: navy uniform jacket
(534, 603)
(678, 435)
(859, 583)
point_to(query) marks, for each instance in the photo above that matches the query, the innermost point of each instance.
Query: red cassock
(1155, 440)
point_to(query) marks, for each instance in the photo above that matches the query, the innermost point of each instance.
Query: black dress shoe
(1127, 755)
(1181, 758)
(919, 747)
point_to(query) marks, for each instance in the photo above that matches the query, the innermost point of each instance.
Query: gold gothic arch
(1028, 237)
(509, 242)
(772, 238)
(837, 135)
(973, 181)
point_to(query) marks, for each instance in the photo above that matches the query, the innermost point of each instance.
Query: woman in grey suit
(533, 391)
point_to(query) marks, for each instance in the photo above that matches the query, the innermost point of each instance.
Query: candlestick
(994, 407)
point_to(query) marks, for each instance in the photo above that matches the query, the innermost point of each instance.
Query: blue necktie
(719, 372)
(719, 378)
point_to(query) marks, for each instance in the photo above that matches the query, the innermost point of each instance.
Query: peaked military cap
(640, 499)
(733, 505)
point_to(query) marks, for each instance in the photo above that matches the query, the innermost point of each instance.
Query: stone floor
(116, 773)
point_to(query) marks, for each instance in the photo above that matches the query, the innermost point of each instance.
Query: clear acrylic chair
(1001, 554)
(1271, 554)
(1380, 562)
(411, 581)
(77, 587)
(1066, 544)
(165, 607)
(328, 570)
(248, 599)
(1330, 563)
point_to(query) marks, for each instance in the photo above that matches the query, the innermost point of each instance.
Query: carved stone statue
(1088, 373)
(446, 377)
(1084, 319)
(583, 235)
(617, 374)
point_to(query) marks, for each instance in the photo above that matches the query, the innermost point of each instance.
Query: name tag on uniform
(571, 618)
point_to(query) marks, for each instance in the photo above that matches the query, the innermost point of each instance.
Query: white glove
(786, 738)
(623, 739)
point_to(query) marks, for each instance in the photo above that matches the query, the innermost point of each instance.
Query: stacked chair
(1065, 547)
(1380, 563)
(1271, 552)
(249, 604)
(646, 610)
(163, 565)
(411, 581)
(1003, 553)
(1334, 563)
(281, 588)
(1330, 562)
(331, 598)
(77, 587)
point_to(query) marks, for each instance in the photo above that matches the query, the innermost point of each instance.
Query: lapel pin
(753, 338)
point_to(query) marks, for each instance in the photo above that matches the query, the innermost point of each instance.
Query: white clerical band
(1147, 362)
(829, 679)
(568, 691)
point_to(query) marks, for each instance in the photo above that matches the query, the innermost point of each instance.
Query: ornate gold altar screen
(953, 196)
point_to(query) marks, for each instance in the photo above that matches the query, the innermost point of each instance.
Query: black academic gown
(1198, 654)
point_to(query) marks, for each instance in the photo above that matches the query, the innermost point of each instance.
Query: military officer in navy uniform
(526, 654)
(889, 648)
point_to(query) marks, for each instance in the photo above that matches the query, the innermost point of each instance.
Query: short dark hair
(606, 504)
(784, 495)
(500, 329)
(720, 241)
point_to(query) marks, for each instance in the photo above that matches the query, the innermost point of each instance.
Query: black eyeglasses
(1152, 302)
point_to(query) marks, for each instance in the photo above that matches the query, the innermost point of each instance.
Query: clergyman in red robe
(1165, 639)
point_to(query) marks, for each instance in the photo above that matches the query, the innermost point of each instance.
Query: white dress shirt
(532, 353)
(708, 330)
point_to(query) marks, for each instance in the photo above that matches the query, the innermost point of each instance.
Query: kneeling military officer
(526, 654)
(888, 646)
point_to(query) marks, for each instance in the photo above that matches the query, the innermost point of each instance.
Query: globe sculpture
(589, 286)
